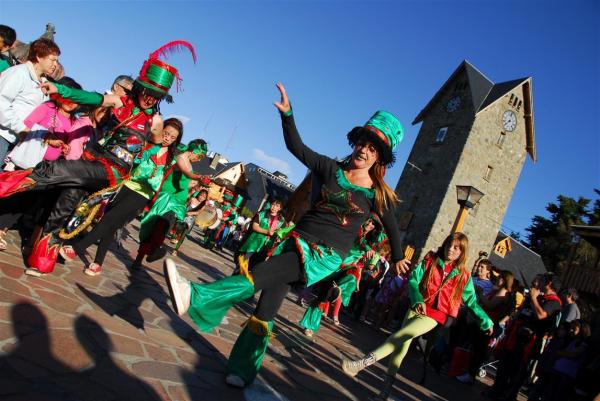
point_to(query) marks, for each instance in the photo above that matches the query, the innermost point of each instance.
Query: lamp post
(467, 197)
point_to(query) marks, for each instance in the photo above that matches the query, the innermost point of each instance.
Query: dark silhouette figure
(105, 372)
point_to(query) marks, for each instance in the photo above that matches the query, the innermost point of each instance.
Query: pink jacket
(75, 133)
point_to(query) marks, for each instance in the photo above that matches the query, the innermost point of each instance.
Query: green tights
(397, 344)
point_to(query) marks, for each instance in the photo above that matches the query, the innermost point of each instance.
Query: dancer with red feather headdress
(135, 121)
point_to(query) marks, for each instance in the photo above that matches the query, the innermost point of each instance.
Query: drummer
(194, 207)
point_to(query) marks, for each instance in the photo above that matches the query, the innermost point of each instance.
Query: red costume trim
(43, 257)
(108, 167)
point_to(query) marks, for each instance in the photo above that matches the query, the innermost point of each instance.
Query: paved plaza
(68, 336)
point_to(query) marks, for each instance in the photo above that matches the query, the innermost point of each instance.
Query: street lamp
(467, 197)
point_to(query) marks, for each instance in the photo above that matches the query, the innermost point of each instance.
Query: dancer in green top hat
(133, 120)
(349, 191)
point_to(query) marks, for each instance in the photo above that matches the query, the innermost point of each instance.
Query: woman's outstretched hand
(283, 105)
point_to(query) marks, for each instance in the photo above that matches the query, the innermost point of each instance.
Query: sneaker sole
(33, 272)
(91, 273)
(67, 255)
(348, 371)
(170, 270)
(235, 381)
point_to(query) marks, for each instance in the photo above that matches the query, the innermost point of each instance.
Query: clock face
(453, 104)
(509, 120)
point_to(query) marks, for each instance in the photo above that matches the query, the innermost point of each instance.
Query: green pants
(397, 344)
(312, 317)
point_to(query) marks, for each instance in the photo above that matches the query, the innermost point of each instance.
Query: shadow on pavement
(31, 372)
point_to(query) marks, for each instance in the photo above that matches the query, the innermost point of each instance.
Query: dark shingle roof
(500, 90)
(520, 261)
(275, 190)
(479, 85)
(203, 167)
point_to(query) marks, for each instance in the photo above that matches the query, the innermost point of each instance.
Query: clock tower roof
(484, 93)
(479, 85)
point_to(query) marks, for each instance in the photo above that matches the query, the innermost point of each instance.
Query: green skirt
(254, 243)
(318, 261)
(165, 203)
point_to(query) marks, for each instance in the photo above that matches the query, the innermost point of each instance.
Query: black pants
(124, 208)
(30, 204)
(75, 178)
(274, 277)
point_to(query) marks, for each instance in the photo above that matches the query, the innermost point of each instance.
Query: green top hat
(239, 199)
(384, 130)
(158, 76)
(228, 196)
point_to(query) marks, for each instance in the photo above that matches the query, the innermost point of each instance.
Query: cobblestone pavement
(68, 336)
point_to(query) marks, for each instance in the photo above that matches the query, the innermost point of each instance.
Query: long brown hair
(460, 264)
(508, 280)
(385, 196)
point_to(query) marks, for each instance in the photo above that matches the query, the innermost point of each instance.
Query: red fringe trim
(108, 167)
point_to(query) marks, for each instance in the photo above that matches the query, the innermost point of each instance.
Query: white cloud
(183, 119)
(270, 162)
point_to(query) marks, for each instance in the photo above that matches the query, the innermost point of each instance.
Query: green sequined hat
(384, 130)
(158, 76)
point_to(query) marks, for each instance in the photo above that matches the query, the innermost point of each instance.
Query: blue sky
(342, 60)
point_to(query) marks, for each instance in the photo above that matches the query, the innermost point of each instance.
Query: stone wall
(427, 186)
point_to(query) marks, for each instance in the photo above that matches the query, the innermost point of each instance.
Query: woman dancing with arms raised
(350, 190)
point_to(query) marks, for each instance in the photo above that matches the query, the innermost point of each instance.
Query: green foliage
(247, 213)
(551, 236)
(516, 235)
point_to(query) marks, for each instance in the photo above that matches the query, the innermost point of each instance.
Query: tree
(551, 236)
(516, 235)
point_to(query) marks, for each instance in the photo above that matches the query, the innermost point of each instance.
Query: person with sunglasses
(134, 121)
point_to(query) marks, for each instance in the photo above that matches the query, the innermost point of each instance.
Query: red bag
(460, 362)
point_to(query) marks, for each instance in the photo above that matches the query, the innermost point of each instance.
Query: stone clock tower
(473, 132)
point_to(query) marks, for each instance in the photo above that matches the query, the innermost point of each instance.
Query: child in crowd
(67, 132)
(436, 286)
(392, 287)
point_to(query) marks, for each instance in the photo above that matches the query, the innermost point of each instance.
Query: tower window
(510, 101)
(441, 135)
(519, 105)
(501, 139)
(488, 173)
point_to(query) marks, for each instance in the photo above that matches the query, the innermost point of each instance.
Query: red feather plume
(172, 47)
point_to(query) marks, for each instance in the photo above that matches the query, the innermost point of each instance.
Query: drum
(207, 216)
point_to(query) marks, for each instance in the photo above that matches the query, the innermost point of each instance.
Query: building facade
(264, 185)
(473, 132)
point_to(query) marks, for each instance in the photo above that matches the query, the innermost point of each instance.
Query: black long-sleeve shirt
(341, 207)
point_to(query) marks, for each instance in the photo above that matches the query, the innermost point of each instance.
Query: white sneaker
(465, 378)
(235, 381)
(30, 271)
(179, 288)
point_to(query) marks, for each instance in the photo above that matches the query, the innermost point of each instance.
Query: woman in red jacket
(436, 288)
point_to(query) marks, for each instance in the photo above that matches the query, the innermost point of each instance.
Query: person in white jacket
(20, 91)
